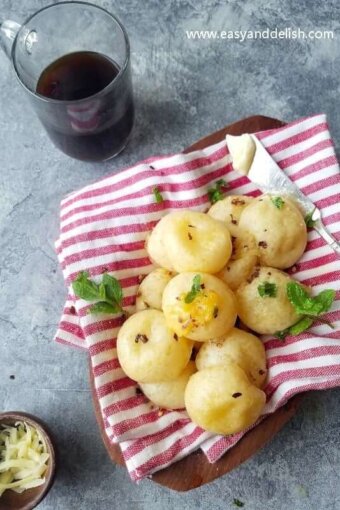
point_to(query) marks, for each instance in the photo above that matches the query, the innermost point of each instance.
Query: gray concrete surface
(184, 90)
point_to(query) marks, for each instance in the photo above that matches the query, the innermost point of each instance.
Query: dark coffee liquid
(96, 128)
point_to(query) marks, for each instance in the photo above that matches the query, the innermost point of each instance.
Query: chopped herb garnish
(238, 503)
(309, 307)
(108, 293)
(267, 289)
(278, 202)
(195, 289)
(216, 192)
(157, 195)
(308, 219)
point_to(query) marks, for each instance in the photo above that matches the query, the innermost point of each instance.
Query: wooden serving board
(195, 470)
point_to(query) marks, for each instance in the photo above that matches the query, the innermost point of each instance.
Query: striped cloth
(103, 228)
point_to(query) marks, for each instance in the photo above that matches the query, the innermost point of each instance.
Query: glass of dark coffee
(73, 60)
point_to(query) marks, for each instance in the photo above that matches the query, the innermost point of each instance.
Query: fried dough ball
(148, 351)
(212, 312)
(242, 261)
(229, 211)
(271, 312)
(222, 400)
(155, 247)
(150, 291)
(280, 230)
(237, 346)
(190, 241)
(169, 394)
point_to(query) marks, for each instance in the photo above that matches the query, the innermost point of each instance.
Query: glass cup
(93, 128)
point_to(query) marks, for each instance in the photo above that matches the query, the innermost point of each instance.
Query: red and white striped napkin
(103, 228)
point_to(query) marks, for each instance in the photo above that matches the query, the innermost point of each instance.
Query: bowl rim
(13, 416)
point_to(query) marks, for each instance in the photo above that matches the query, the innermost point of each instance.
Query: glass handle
(8, 32)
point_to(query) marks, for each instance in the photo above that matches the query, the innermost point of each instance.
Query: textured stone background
(184, 90)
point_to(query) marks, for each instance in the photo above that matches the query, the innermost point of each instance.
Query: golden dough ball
(237, 346)
(222, 400)
(195, 242)
(150, 291)
(211, 313)
(148, 351)
(242, 261)
(271, 312)
(229, 211)
(155, 247)
(169, 394)
(279, 229)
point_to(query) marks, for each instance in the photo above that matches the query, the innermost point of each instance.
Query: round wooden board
(195, 470)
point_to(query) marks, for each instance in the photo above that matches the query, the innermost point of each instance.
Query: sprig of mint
(308, 219)
(216, 193)
(267, 289)
(311, 308)
(108, 293)
(278, 202)
(195, 289)
(307, 305)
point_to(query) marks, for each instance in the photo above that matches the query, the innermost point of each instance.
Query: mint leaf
(238, 503)
(267, 289)
(216, 193)
(278, 202)
(299, 298)
(308, 219)
(309, 307)
(281, 335)
(102, 291)
(300, 326)
(195, 289)
(325, 299)
(113, 289)
(85, 288)
(157, 195)
(108, 293)
(103, 307)
(306, 305)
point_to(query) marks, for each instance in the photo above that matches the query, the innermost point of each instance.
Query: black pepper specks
(189, 236)
(215, 312)
(254, 274)
(237, 201)
(141, 338)
(236, 395)
(176, 337)
(263, 244)
(232, 219)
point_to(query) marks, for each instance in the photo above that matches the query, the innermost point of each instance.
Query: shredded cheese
(23, 457)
